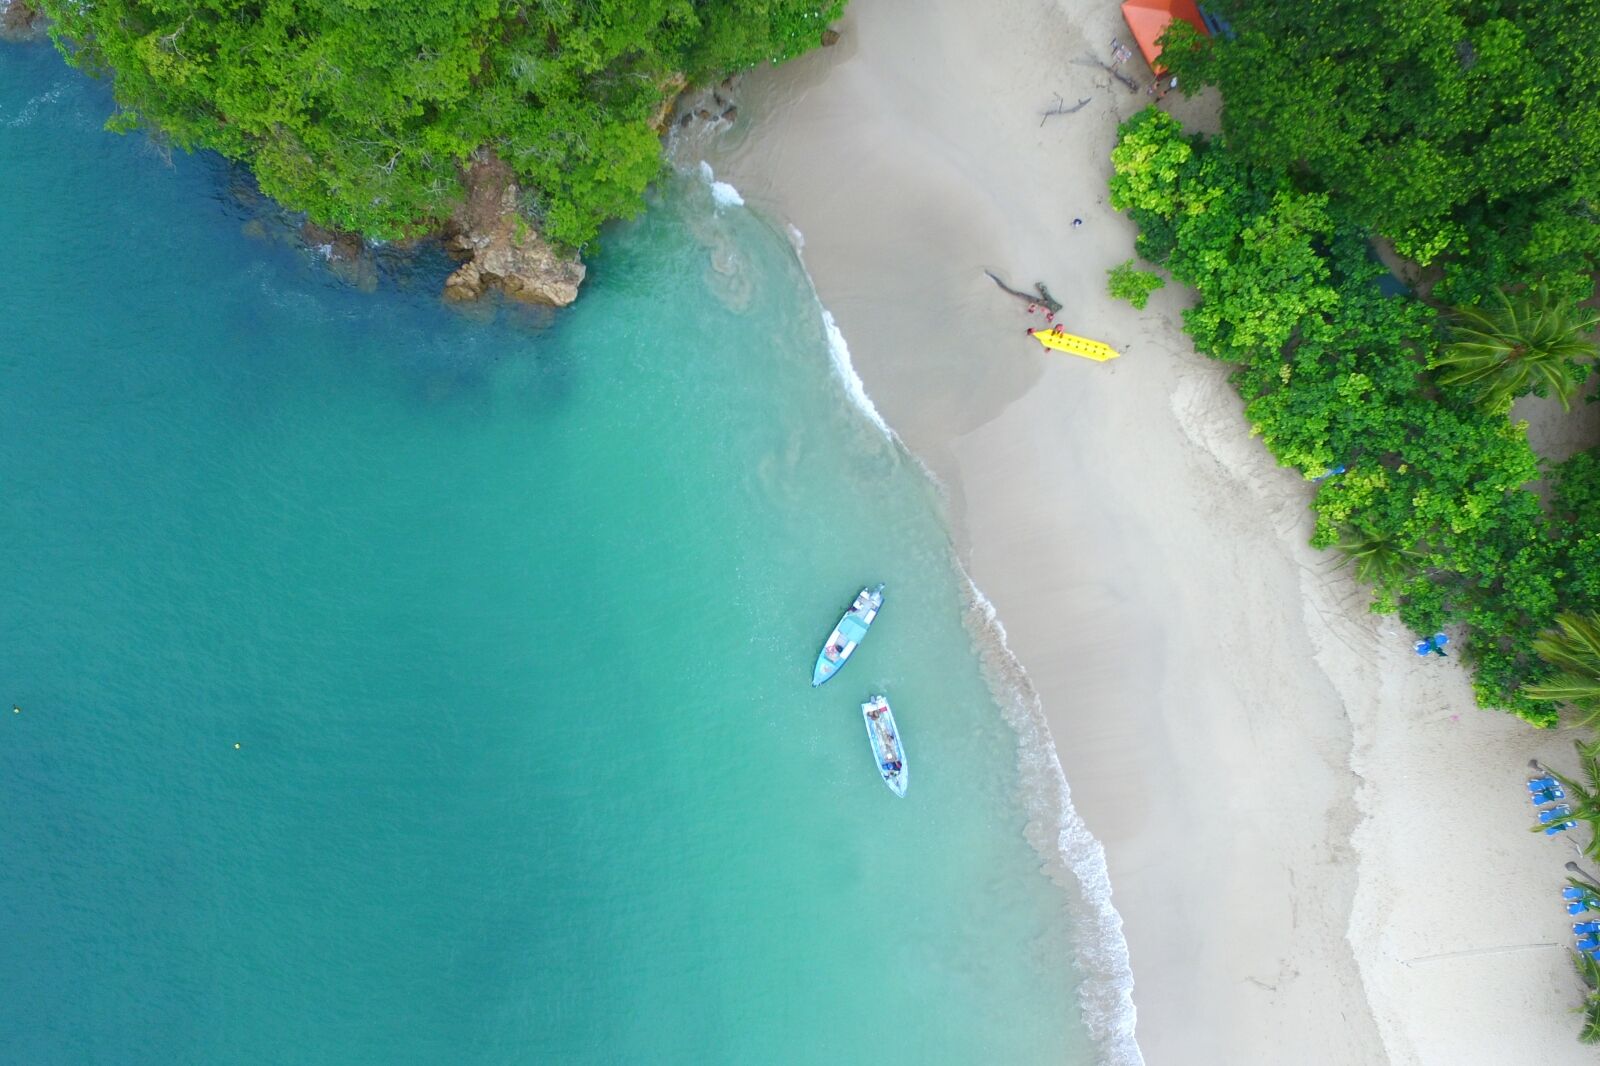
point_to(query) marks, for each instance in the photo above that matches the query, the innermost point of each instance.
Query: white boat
(887, 750)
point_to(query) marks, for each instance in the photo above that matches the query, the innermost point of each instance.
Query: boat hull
(847, 635)
(888, 750)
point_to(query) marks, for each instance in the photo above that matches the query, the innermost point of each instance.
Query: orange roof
(1148, 19)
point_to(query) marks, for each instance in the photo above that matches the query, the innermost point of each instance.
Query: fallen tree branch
(1091, 61)
(1061, 108)
(1042, 297)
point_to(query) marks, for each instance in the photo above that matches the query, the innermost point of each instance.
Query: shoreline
(1256, 752)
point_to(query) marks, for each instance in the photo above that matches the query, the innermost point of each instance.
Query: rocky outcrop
(349, 258)
(502, 249)
(20, 21)
(671, 88)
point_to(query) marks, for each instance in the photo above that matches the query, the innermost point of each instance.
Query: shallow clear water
(512, 624)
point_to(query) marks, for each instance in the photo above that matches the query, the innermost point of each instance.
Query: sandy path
(1224, 707)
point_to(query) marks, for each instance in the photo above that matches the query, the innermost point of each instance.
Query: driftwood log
(1041, 297)
(1061, 108)
(1091, 61)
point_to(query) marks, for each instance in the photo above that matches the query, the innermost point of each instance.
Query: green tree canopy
(1465, 130)
(361, 112)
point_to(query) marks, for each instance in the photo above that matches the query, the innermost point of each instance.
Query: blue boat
(887, 750)
(847, 635)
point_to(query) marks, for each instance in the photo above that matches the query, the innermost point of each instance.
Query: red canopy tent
(1149, 19)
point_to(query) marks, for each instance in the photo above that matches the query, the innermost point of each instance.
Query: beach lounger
(1549, 795)
(1572, 892)
(1559, 827)
(1586, 928)
(1588, 943)
(1539, 784)
(1581, 907)
(1546, 817)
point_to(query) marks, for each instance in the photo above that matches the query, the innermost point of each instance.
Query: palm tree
(1574, 650)
(1589, 970)
(1379, 558)
(1517, 345)
(1582, 799)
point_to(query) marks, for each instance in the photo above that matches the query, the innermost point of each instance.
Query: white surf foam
(723, 194)
(840, 352)
(1106, 995)
(839, 349)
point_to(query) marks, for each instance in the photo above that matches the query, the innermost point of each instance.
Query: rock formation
(20, 21)
(502, 249)
(349, 258)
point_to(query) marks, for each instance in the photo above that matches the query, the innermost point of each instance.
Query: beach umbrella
(1149, 19)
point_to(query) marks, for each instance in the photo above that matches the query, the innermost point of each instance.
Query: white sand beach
(1317, 844)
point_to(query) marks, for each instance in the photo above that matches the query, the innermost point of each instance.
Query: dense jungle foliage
(1468, 133)
(361, 112)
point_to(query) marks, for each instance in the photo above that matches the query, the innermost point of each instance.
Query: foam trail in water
(30, 110)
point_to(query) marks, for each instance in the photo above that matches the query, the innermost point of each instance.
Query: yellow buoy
(1099, 351)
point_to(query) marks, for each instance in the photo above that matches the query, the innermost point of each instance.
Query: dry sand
(1317, 844)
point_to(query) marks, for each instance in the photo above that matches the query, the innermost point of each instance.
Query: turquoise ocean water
(511, 621)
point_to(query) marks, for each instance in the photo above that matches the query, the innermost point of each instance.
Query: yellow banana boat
(1073, 345)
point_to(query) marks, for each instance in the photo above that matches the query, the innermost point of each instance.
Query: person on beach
(1077, 222)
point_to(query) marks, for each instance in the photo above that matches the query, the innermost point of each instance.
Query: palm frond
(1573, 648)
(1516, 345)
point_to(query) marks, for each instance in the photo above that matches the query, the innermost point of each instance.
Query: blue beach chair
(1559, 827)
(1549, 795)
(1572, 892)
(1542, 784)
(1588, 943)
(1586, 928)
(1546, 817)
(1578, 908)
